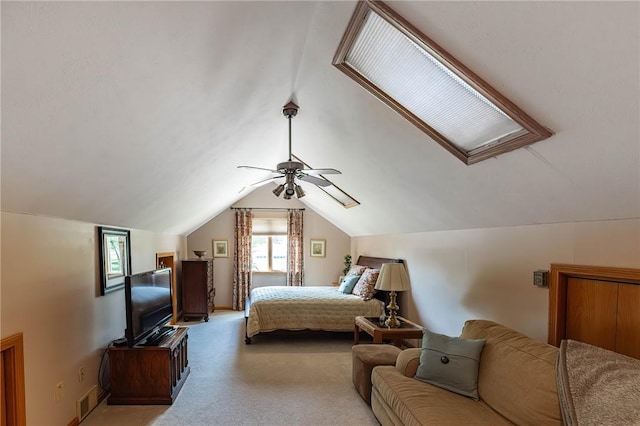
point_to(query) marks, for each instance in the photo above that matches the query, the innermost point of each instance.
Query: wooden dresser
(198, 290)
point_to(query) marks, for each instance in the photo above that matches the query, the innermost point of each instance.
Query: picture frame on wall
(318, 248)
(220, 248)
(115, 258)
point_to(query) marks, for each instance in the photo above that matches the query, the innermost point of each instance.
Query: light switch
(541, 278)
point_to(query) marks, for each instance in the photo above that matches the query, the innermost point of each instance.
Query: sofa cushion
(517, 374)
(410, 402)
(450, 363)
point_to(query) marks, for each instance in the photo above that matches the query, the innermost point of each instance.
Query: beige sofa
(516, 385)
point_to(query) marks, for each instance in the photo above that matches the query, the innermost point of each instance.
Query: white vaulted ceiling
(136, 114)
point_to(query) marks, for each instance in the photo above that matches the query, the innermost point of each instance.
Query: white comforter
(306, 308)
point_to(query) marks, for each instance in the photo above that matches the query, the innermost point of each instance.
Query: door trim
(12, 367)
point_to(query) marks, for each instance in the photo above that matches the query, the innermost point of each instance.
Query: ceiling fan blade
(258, 168)
(322, 171)
(314, 180)
(261, 182)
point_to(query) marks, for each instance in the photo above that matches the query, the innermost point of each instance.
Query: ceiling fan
(292, 170)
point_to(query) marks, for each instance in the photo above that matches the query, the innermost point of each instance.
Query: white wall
(318, 270)
(487, 273)
(50, 291)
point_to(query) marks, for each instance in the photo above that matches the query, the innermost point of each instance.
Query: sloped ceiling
(136, 114)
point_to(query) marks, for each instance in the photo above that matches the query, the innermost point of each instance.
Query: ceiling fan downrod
(290, 110)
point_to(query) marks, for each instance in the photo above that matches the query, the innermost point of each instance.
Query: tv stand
(149, 374)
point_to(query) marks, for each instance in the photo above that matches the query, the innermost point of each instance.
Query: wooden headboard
(375, 262)
(595, 305)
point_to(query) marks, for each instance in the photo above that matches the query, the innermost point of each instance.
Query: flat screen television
(148, 306)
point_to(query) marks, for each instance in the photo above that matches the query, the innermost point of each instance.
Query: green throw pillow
(348, 283)
(450, 363)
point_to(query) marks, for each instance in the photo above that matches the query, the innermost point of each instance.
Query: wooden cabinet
(603, 313)
(595, 305)
(198, 291)
(149, 374)
(628, 320)
(592, 306)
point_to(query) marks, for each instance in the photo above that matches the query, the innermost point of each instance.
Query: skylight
(413, 75)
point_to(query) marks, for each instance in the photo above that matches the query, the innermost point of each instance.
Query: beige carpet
(283, 378)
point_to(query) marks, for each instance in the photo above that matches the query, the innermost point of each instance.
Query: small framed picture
(220, 248)
(317, 248)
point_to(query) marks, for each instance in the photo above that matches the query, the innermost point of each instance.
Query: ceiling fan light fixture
(300, 192)
(290, 191)
(278, 190)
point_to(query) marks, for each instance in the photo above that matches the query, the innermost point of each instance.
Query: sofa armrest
(408, 360)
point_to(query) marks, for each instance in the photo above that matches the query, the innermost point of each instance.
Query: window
(269, 245)
(269, 253)
(414, 76)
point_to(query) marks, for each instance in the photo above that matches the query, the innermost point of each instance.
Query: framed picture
(115, 258)
(317, 248)
(220, 248)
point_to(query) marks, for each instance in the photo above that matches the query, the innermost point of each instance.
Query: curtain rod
(262, 208)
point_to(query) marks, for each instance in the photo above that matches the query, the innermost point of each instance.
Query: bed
(594, 319)
(321, 308)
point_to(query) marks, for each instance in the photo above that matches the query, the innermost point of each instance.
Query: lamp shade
(393, 277)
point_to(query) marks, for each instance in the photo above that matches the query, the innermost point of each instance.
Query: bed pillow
(356, 270)
(365, 287)
(348, 283)
(450, 363)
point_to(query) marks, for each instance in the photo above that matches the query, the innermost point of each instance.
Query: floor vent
(86, 403)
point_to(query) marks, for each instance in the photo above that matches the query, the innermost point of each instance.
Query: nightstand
(371, 326)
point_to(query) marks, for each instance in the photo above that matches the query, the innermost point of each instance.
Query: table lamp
(393, 277)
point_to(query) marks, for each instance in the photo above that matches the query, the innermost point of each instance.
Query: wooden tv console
(149, 374)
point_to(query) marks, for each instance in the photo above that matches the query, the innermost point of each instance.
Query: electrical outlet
(81, 374)
(59, 392)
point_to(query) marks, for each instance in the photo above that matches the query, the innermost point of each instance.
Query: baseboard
(223, 308)
(102, 395)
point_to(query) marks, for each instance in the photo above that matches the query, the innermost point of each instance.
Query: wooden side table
(371, 326)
